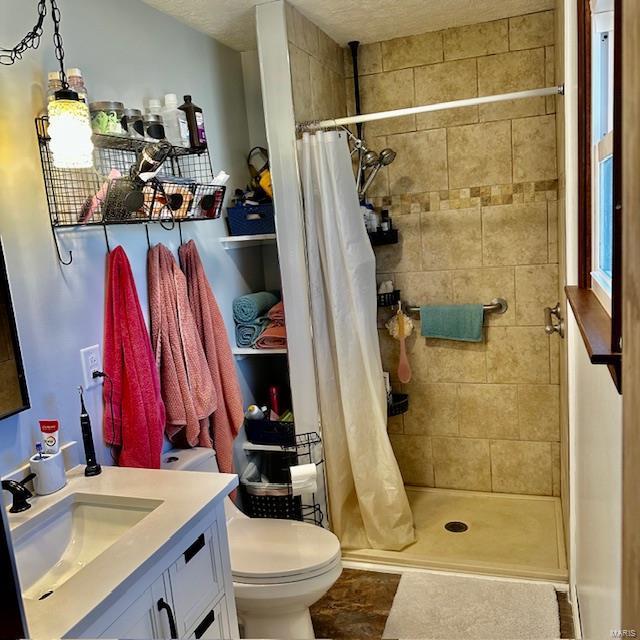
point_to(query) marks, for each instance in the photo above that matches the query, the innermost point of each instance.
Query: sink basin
(54, 545)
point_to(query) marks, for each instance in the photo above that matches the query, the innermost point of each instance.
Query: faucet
(19, 492)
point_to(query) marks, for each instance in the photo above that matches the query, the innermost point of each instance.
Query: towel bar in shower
(497, 305)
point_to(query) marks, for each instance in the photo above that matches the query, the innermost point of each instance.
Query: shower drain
(456, 527)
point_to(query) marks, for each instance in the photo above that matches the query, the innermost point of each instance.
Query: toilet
(280, 567)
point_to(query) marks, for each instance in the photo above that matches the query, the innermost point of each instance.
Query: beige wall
(317, 74)
(473, 192)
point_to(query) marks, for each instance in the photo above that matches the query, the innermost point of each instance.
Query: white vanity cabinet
(188, 593)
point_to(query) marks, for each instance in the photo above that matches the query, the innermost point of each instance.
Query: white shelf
(250, 446)
(242, 242)
(237, 351)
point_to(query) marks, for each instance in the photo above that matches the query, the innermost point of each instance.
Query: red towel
(134, 391)
(276, 314)
(273, 337)
(228, 417)
(187, 388)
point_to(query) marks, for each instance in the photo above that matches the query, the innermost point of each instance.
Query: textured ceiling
(232, 22)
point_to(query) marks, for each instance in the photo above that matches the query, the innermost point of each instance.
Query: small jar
(107, 118)
(134, 123)
(153, 128)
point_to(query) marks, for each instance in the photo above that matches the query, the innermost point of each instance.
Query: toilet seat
(296, 550)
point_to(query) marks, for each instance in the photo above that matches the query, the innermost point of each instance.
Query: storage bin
(251, 220)
(270, 432)
(271, 500)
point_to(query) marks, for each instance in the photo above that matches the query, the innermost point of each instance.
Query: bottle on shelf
(176, 127)
(76, 83)
(53, 84)
(195, 123)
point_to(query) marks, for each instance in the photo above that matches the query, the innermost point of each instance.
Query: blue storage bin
(251, 220)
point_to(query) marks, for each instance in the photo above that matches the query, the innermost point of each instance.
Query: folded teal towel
(248, 332)
(248, 308)
(452, 322)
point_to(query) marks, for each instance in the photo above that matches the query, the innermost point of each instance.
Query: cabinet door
(196, 580)
(142, 620)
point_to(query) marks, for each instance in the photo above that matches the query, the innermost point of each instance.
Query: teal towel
(248, 332)
(452, 322)
(248, 308)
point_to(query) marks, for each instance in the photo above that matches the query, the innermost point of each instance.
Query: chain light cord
(32, 40)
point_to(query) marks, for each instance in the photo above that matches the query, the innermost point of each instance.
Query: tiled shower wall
(317, 71)
(473, 192)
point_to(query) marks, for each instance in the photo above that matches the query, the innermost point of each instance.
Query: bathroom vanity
(131, 553)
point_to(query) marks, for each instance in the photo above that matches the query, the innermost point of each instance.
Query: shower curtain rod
(440, 106)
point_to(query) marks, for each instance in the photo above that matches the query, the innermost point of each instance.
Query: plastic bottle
(76, 83)
(53, 84)
(175, 122)
(195, 121)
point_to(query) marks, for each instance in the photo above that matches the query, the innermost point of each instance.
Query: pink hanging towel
(187, 388)
(228, 418)
(133, 389)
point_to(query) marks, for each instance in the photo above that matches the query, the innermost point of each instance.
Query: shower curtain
(369, 506)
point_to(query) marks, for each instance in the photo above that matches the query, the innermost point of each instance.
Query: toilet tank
(196, 459)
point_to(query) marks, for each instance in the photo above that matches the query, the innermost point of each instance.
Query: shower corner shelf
(399, 404)
(389, 299)
(379, 238)
(244, 242)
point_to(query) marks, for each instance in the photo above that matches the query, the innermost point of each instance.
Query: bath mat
(438, 607)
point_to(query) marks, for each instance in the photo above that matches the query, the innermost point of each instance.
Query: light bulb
(70, 133)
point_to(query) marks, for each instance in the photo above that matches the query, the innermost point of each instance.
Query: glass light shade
(70, 133)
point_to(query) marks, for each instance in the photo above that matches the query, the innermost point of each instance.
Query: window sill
(595, 327)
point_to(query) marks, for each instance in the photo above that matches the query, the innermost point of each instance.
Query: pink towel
(273, 337)
(229, 415)
(276, 314)
(187, 388)
(133, 387)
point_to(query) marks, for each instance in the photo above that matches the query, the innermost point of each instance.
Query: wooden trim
(584, 144)
(616, 252)
(594, 325)
(631, 310)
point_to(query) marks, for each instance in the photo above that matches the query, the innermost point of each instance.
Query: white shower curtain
(369, 506)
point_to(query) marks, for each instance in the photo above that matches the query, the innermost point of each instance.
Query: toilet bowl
(280, 567)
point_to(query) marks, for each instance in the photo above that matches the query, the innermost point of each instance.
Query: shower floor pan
(506, 535)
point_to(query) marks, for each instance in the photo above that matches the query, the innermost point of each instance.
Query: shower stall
(465, 119)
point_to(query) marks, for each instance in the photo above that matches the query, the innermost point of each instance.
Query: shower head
(387, 156)
(369, 159)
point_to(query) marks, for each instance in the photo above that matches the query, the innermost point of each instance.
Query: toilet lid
(265, 548)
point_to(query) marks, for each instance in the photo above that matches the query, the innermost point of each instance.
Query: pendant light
(69, 119)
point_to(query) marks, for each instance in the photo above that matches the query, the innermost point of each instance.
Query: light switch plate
(91, 361)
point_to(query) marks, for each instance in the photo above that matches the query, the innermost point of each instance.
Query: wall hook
(180, 232)
(146, 228)
(66, 263)
(106, 238)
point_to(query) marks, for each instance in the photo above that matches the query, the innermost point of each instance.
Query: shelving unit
(241, 351)
(244, 242)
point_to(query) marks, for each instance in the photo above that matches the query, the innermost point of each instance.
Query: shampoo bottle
(195, 120)
(175, 122)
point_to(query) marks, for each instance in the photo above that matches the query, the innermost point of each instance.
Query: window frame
(601, 331)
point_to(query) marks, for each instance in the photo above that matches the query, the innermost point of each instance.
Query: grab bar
(497, 305)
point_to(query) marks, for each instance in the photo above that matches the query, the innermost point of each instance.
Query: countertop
(184, 495)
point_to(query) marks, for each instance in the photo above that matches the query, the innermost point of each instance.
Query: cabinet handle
(194, 548)
(205, 624)
(173, 631)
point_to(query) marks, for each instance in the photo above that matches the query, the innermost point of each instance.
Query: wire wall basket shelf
(276, 499)
(103, 195)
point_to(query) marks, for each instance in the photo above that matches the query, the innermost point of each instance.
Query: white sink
(54, 545)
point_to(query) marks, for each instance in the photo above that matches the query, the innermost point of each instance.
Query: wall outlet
(91, 361)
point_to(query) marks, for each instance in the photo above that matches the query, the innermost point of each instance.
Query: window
(602, 151)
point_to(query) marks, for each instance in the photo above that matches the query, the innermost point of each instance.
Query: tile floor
(359, 603)
(509, 535)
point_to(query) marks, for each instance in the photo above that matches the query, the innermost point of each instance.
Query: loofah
(392, 326)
